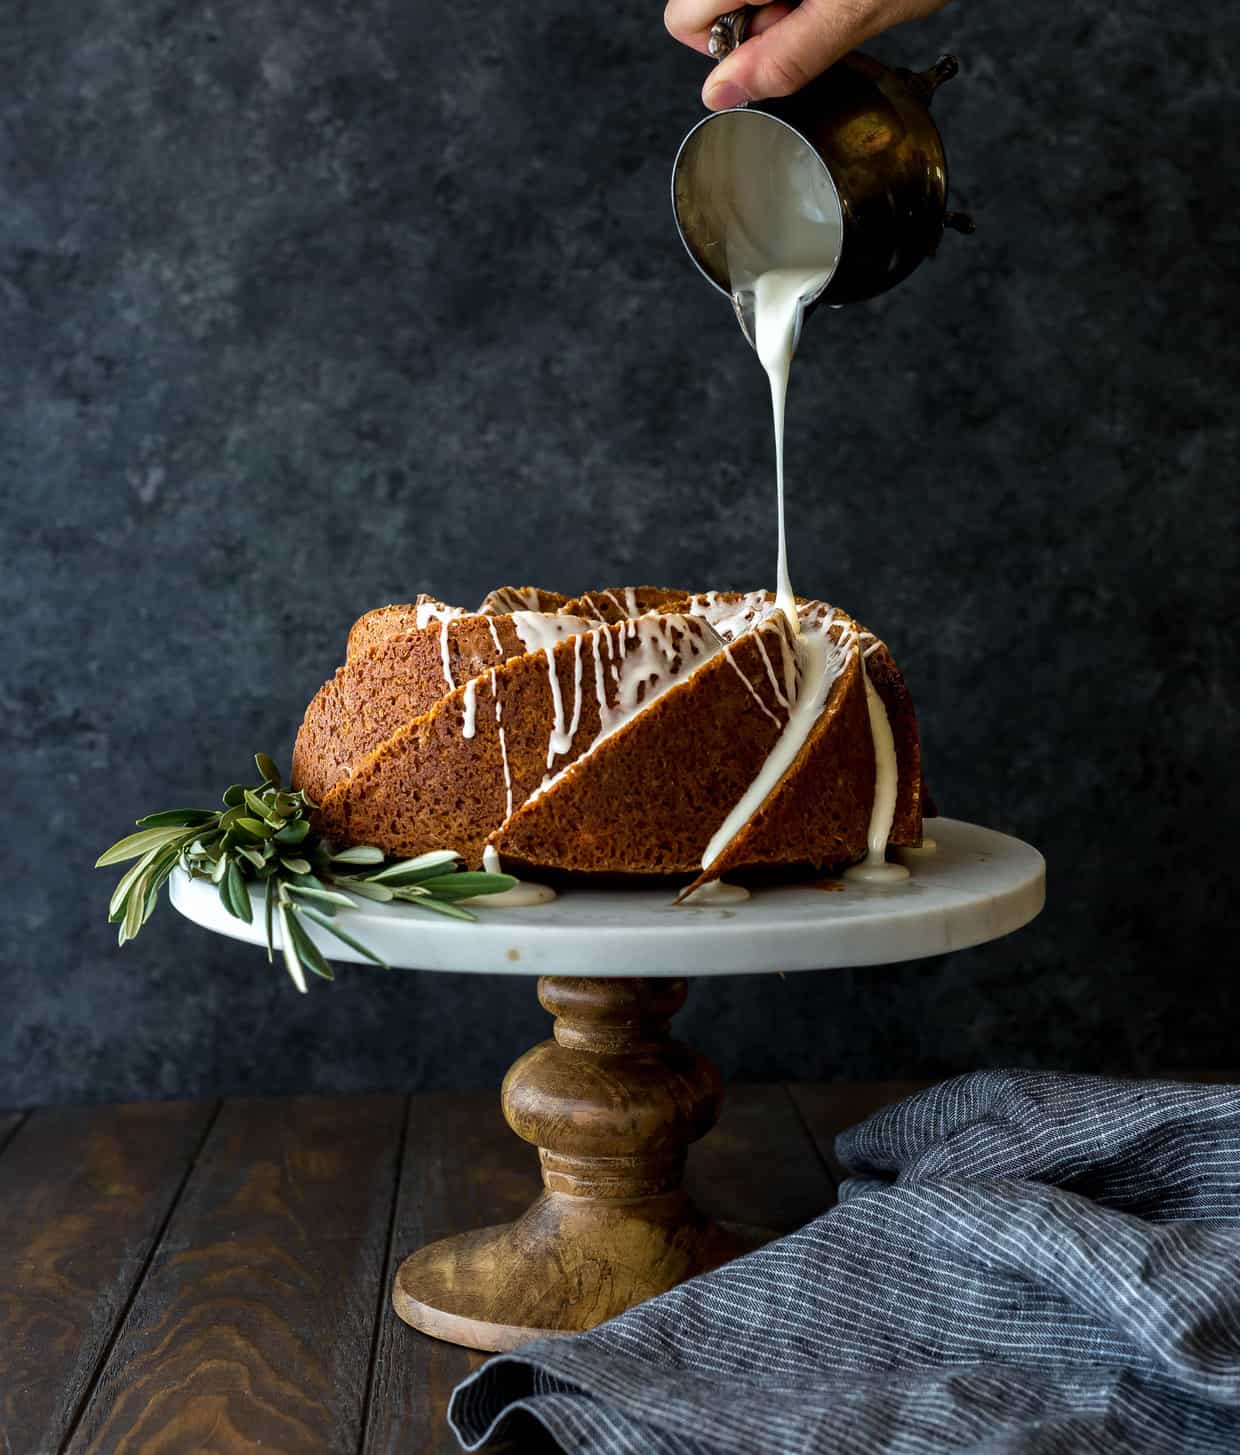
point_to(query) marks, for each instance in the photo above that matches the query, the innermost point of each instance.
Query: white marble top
(977, 886)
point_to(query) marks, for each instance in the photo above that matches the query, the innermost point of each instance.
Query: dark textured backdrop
(308, 306)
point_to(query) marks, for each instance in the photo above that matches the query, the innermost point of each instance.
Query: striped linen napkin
(1021, 1263)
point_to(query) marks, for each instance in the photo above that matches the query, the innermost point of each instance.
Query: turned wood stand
(612, 1103)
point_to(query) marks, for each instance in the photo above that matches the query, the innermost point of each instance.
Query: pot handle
(728, 32)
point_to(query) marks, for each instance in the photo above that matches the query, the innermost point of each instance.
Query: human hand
(787, 46)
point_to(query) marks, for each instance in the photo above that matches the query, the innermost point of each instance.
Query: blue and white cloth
(1021, 1263)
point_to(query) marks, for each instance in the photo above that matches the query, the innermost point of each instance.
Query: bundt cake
(633, 731)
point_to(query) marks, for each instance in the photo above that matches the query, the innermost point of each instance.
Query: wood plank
(463, 1168)
(830, 1107)
(253, 1327)
(760, 1165)
(84, 1194)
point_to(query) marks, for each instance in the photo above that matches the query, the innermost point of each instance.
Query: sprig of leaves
(263, 835)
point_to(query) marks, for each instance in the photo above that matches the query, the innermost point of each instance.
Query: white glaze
(443, 653)
(714, 892)
(540, 629)
(780, 295)
(503, 745)
(731, 619)
(874, 868)
(429, 610)
(469, 702)
(867, 873)
(556, 735)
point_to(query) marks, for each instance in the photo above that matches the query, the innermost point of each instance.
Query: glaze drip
(874, 868)
(820, 660)
(647, 656)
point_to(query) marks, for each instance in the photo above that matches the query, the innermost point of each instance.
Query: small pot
(862, 139)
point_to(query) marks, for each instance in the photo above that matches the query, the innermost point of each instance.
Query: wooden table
(197, 1276)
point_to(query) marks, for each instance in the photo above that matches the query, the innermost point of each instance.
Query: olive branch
(263, 835)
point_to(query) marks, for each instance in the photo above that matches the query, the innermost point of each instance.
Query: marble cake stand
(612, 1102)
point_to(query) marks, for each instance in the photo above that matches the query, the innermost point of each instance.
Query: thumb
(789, 54)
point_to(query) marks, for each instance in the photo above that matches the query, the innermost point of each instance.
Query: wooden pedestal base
(612, 1104)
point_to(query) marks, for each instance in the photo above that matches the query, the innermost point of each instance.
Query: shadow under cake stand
(612, 1102)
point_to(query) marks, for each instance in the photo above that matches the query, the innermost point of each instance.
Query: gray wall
(306, 307)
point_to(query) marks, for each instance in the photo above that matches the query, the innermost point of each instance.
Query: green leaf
(219, 869)
(441, 906)
(307, 951)
(367, 890)
(253, 826)
(322, 896)
(265, 810)
(333, 928)
(410, 871)
(293, 833)
(266, 766)
(269, 906)
(252, 856)
(288, 944)
(466, 886)
(135, 845)
(234, 795)
(308, 881)
(142, 898)
(177, 817)
(295, 866)
(134, 905)
(237, 896)
(160, 872)
(359, 854)
(126, 883)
